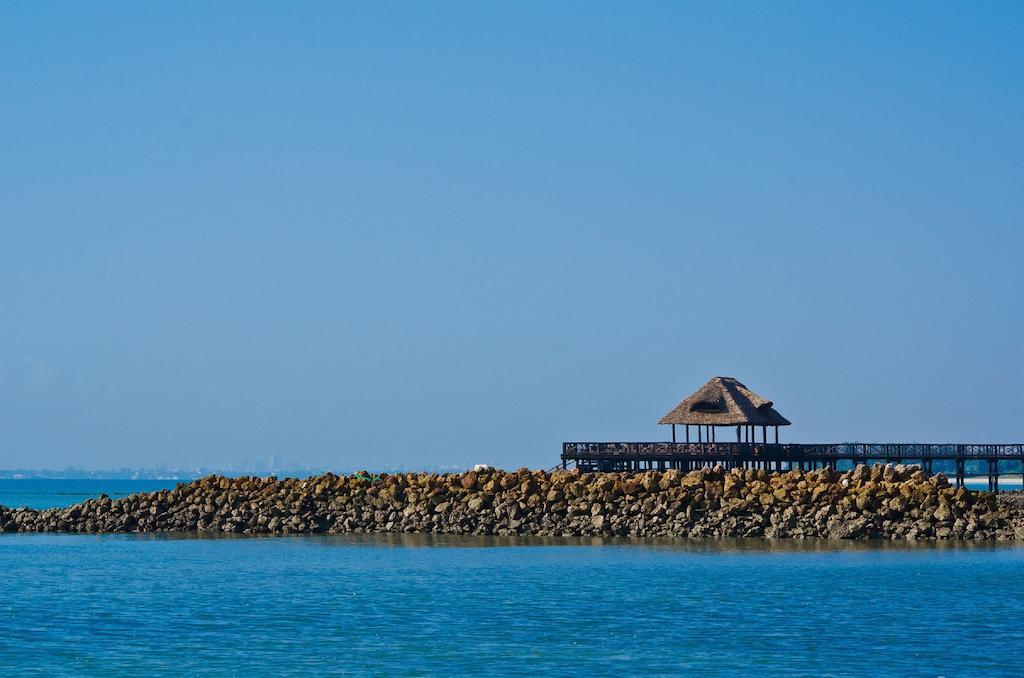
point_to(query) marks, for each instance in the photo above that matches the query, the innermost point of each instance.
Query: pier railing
(639, 456)
(796, 451)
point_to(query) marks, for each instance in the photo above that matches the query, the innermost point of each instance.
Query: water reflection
(419, 540)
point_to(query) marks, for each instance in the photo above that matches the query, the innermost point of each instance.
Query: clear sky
(363, 235)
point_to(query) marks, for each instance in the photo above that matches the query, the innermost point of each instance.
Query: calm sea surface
(47, 493)
(416, 605)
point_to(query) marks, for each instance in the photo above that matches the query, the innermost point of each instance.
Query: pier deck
(639, 456)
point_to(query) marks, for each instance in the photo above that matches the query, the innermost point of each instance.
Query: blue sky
(448, 233)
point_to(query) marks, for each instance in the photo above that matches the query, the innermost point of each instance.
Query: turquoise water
(420, 605)
(136, 605)
(47, 493)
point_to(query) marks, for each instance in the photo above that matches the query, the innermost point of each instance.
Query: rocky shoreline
(883, 502)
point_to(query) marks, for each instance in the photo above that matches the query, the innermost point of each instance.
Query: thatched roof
(723, 401)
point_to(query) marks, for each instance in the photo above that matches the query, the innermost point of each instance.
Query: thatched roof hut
(724, 401)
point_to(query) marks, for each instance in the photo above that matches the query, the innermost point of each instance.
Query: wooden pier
(724, 405)
(621, 456)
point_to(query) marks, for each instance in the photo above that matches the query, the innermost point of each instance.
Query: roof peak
(725, 401)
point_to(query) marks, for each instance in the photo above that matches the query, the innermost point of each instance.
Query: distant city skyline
(272, 466)
(433, 235)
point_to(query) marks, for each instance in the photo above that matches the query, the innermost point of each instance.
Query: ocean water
(418, 605)
(132, 605)
(47, 493)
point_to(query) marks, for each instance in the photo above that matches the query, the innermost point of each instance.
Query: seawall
(887, 502)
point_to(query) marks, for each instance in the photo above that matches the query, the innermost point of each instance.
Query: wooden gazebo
(724, 402)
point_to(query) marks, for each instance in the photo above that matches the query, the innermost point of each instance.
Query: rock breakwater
(887, 502)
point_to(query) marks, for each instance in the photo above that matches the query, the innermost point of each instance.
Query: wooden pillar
(777, 436)
(673, 434)
(687, 433)
(712, 433)
(700, 434)
(738, 438)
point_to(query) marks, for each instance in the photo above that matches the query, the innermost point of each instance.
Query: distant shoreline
(188, 476)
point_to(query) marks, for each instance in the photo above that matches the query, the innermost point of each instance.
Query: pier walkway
(623, 456)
